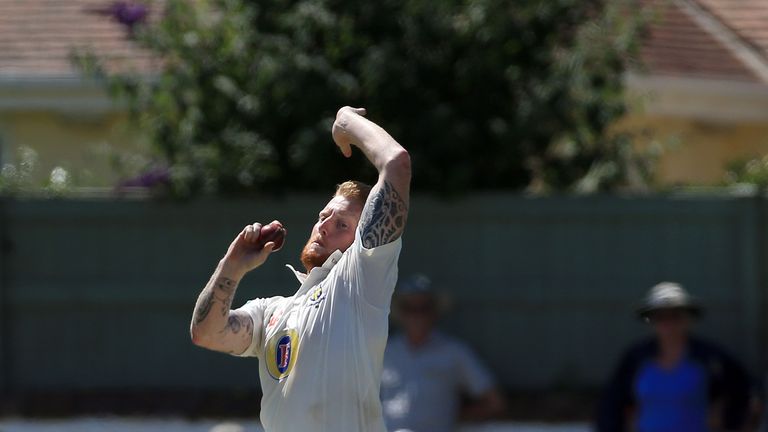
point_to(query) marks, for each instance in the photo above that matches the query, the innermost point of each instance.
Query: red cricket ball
(272, 232)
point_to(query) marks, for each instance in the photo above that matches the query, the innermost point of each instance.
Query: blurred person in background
(675, 382)
(427, 373)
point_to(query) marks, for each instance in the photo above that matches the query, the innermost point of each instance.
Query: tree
(485, 94)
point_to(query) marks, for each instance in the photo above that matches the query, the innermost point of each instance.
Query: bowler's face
(334, 230)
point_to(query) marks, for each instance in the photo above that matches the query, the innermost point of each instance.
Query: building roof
(747, 18)
(38, 37)
(708, 39)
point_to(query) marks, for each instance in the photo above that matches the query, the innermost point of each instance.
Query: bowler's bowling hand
(252, 246)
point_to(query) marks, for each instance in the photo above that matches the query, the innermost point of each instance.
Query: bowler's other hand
(343, 131)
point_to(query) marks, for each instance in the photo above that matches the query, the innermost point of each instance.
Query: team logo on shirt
(282, 350)
(317, 296)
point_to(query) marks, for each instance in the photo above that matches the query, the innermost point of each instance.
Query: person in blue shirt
(675, 382)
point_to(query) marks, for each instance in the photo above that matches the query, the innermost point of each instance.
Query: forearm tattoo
(213, 317)
(222, 291)
(384, 216)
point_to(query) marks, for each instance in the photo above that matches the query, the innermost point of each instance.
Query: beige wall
(698, 151)
(694, 151)
(702, 125)
(84, 144)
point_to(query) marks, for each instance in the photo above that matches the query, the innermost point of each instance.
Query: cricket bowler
(320, 351)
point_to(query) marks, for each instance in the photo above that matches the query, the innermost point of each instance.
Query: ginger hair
(354, 191)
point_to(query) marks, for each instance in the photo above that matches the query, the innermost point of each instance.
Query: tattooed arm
(214, 325)
(386, 211)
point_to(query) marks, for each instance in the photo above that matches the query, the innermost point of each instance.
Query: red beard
(311, 258)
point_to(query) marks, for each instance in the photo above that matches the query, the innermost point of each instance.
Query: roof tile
(676, 45)
(747, 18)
(37, 37)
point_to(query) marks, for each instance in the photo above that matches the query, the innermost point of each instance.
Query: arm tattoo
(204, 304)
(229, 331)
(384, 216)
(222, 291)
(237, 322)
(234, 324)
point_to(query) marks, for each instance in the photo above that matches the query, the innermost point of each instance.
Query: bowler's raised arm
(386, 210)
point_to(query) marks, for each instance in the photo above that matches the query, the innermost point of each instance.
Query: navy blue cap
(416, 284)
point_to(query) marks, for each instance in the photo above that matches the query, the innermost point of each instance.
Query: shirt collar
(326, 267)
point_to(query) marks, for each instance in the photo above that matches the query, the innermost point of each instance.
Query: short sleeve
(375, 270)
(473, 375)
(257, 310)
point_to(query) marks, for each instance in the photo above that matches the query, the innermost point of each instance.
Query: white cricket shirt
(321, 351)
